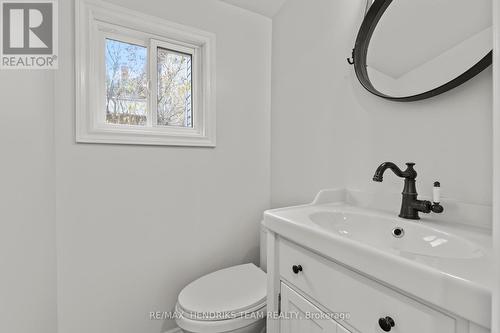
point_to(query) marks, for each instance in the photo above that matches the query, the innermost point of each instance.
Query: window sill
(146, 136)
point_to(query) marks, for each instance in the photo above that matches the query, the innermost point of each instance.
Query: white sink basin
(439, 261)
(377, 231)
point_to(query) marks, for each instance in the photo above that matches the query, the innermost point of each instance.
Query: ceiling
(264, 7)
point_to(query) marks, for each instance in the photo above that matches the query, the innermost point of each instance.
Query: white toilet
(229, 300)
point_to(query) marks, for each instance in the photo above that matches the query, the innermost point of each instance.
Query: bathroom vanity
(338, 265)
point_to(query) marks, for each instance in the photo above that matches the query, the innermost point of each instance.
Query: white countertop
(460, 286)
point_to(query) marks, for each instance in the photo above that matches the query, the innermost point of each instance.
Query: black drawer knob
(296, 269)
(386, 324)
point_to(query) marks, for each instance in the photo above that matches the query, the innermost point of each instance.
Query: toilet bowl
(230, 300)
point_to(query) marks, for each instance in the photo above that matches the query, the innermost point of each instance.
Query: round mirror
(408, 50)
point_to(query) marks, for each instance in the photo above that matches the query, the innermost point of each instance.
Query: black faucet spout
(409, 173)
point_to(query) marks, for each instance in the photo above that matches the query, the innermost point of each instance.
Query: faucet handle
(436, 192)
(437, 208)
(436, 198)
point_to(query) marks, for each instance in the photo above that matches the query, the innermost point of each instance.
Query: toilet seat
(222, 301)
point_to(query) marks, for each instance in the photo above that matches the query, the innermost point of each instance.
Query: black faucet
(410, 206)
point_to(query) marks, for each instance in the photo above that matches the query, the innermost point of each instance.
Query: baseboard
(174, 330)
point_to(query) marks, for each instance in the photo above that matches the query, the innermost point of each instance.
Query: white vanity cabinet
(304, 316)
(316, 294)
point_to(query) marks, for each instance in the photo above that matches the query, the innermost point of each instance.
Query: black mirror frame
(372, 17)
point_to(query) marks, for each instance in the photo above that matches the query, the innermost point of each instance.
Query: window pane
(126, 83)
(174, 89)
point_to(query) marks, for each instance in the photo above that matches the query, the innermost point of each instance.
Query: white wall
(327, 131)
(309, 52)
(27, 202)
(136, 223)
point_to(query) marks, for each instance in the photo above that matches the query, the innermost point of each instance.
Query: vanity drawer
(342, 290)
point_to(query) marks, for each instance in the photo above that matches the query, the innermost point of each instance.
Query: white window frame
(96, 21)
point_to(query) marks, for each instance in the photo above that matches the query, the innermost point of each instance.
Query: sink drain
(398, 232)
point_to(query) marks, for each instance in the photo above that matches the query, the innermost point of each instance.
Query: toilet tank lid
(230, 291)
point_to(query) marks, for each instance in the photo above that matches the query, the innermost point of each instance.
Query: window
(174, 106)
(142, 80)
(126, 83)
